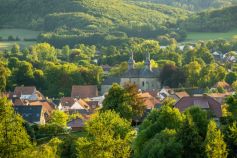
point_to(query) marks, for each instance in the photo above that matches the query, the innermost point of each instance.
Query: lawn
(21, 33)
(196, 36)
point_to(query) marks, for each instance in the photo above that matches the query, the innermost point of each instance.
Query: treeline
(221, 20)
(195, 5)
(52, 71)
(92, 21)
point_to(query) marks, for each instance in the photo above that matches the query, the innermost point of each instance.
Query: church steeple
(148, 62)
(131, 62)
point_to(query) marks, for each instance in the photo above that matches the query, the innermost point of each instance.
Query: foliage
(163, 145)
(157, 121)
(125, 101)
(108, 136)
(13, 136)
(58, 118)
(214, 143)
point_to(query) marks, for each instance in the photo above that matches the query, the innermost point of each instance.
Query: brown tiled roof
(93, 104)
(153, 92)
(181, 94)
(88, 91)
(18, 102)
(47, 106)
(67, 101)
(83, 103)
(202, 101)
(24, 90)
(220, 95)
(149, 101)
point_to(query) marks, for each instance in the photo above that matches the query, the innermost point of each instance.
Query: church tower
(148, 62)
(131, 62)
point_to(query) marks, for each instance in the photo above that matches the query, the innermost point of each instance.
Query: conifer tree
(215, 147)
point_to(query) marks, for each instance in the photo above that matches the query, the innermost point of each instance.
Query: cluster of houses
(86, 99)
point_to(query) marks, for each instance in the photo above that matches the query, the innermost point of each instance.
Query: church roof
(140, 73)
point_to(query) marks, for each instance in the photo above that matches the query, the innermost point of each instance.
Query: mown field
(20, 33)
(196, 36)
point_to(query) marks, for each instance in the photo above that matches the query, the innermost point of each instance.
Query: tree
(66, 53)
(59, 118)
(155, 122)
(234, 85)
(192, 71)
(4, 74)
(231, 77)
(23, 74)
(188, 135)
(199, 118)
(171, 76)
(214, 143)
(15, 49)
(163, 145)
(13, 136)
(108, 136)
(231, 101)
(124, 100)
(44, 51)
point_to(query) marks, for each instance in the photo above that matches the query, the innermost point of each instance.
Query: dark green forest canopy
(194, 5)
(89, 21)
(219, 20)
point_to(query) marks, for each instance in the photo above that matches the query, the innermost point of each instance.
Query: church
(146, 78)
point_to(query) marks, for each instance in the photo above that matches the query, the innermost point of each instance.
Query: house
(148, 100)
(48, 107)
(87, 91)
(28, 93)
(165, 92)
(78, 124)
(178, 95)
(204, 102)
(32, 114)
(72, 105)
(108, 82)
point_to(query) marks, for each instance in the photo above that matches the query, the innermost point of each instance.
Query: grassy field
(21, 33)
(196, 36)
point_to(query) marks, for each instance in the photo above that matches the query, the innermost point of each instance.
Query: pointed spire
(131, 62)
(148, 62)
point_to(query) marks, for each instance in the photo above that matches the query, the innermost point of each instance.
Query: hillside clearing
(196, 36)
(20, 33)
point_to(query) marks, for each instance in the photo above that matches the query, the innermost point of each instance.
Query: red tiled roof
(202, 101)
(24, 90)
(87, 91)
(47, 106)
(149, 101)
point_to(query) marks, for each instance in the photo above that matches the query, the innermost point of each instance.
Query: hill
(194, 5)
(90, 21)
(220, 20)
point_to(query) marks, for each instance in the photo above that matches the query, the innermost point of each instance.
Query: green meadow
(204, 36)
(20, 33)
